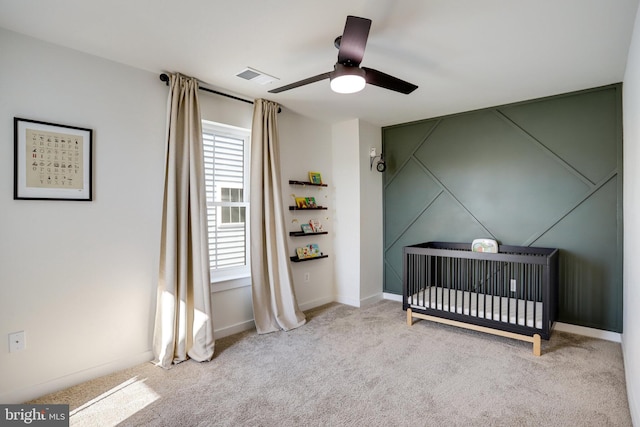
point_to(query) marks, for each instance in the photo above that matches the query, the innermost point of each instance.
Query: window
(226, 164)
(232, 214)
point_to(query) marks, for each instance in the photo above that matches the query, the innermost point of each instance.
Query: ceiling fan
(347, 75)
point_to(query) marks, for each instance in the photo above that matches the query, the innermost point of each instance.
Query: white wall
(371, 241)
(79, 277)
(305, 145)
(346, 174)
(358, 203)
(631, 269)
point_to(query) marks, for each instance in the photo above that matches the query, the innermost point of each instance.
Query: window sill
(226, 285)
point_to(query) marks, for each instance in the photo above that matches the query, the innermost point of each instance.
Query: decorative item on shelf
(311, 202)
(307, 230)
(315, 178)
(484, 245)
(316, 226)
(305, 203)
(309, 251)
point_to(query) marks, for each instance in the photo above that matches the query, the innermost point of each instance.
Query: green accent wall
(545, 173)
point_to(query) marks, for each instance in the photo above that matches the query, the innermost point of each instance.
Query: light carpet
(365, 367)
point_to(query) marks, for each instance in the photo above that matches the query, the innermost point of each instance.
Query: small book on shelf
(308, 251)
(311, 202)
(315, 178)
(316, 226)
(302, 252)
(306, 228)
(314, 250)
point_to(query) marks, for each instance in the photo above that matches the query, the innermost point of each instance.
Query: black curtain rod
(165, 78)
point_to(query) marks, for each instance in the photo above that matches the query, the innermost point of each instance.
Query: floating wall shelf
(296, 259)
(294, 182)
(302, 233)
(295, 208)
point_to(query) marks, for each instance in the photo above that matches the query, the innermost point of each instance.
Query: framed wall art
(52, 161)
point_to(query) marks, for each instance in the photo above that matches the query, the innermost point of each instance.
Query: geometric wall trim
(544, 172)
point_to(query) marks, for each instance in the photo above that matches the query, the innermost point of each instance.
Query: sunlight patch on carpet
(121, 402)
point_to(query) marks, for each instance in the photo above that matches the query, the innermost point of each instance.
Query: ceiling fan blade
(354, 40)
(301, 83)
(378, 78)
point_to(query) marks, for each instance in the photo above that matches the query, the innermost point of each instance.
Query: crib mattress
(503, 309)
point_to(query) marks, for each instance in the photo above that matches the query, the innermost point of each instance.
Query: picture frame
(315, 178)
(52, 161)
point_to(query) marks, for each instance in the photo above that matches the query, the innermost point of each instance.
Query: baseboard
(588, 332)
(348, 301)
(250, 324)
(371, 300)
(392, 297)
(315, 303)
(33, 392)
(234, 329)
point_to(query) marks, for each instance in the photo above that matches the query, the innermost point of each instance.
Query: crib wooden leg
(409, 317)
(536, 345)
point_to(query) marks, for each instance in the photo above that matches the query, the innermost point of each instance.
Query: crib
(512, 293)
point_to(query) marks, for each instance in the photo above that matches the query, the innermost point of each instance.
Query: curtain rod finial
(164, 78)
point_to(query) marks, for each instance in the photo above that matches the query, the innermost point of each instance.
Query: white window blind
(226, 160)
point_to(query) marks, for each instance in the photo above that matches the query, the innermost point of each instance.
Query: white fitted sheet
(502, 309)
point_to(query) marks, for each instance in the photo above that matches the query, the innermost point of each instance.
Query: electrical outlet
(307, 277)
(513, 285)
(17, 342)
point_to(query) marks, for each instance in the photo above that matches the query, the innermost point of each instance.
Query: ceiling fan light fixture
(345, 79)
(347, 75)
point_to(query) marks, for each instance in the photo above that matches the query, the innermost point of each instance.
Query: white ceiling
(463, 54)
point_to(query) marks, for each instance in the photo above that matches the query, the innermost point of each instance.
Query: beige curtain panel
(274, 301)
(183, 326)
